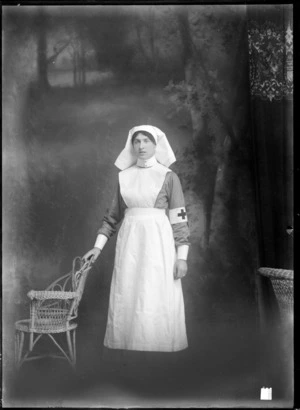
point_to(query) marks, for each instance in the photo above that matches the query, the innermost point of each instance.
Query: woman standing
(146, 307)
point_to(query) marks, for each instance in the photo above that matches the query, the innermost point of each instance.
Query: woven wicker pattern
(53, 311)
(43, 326)
(277, 273)
(284, 293)
(283, 285)
(48, 294)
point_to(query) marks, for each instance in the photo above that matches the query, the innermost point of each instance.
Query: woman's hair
(146, 133)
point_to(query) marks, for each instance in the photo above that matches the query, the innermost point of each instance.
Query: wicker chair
(282, 282)
(277, 335)
(52, 312)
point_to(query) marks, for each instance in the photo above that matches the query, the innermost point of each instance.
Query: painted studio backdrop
(218, 81)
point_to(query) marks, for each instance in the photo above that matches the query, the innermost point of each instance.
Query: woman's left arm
(179, 223)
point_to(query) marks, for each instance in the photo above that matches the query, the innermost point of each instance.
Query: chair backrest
(73, 281)
(78, 277)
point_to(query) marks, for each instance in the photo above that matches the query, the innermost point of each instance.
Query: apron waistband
(144, 211)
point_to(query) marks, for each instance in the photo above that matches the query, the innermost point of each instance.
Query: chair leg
(16, 350)
(72, 351)
(74, 346)
(19, 344)
(31, 341)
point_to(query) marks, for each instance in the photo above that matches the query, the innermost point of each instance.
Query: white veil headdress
(164, 153)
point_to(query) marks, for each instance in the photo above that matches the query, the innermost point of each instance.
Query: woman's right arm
(109, 225)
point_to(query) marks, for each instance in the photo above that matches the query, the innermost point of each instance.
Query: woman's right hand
(92, 254)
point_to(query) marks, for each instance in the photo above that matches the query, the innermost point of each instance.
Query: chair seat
(44, 326)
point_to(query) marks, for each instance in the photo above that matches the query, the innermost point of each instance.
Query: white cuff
(100, 241)
(182, 252)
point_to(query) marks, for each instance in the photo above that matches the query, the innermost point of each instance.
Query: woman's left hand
(180, 269)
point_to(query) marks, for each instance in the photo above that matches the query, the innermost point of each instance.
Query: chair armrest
(51, 294)
(274, 273)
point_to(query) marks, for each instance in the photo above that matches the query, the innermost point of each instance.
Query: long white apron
(146, 307)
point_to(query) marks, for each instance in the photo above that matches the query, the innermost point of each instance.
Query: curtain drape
(270, 42)
(270, 39)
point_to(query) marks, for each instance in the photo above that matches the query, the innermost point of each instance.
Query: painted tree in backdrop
(78, 46)
(109, 31)
(214, 91)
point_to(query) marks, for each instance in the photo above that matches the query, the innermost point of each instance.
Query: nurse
(146, 306)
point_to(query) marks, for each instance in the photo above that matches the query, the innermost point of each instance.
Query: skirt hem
(147, 349)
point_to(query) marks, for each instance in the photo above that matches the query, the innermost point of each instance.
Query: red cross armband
(177, 215)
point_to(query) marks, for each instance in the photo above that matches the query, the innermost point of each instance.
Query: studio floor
(223, 367)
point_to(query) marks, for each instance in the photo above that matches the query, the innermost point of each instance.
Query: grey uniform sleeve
(177, 210)
(113, 215)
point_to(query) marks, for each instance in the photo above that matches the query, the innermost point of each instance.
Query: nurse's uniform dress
(146, 306)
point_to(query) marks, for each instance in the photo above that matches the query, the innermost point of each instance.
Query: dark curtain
(270, 40)
(270, 34)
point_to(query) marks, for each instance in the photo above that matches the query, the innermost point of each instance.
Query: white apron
(146, 307)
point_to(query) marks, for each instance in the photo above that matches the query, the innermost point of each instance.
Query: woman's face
(143, 147)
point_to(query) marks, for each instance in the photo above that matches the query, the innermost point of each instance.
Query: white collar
(142, 163)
